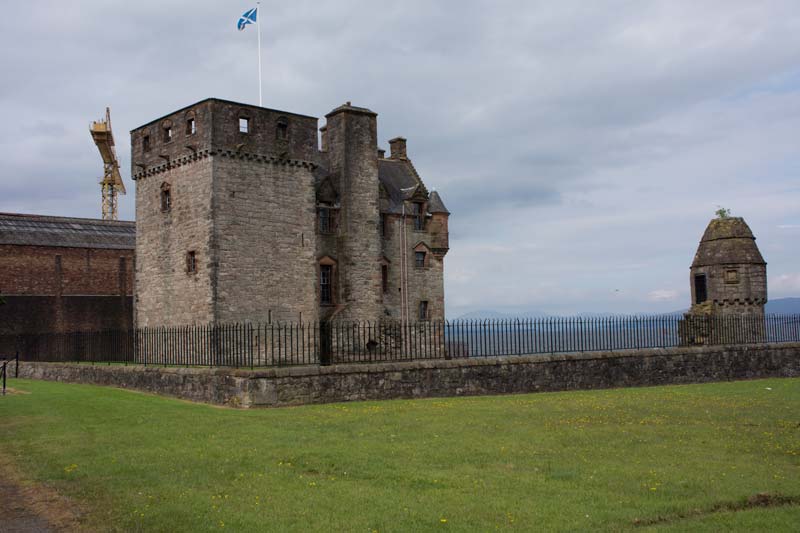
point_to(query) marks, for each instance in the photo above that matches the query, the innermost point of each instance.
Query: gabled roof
(400, 181)
(40, 230)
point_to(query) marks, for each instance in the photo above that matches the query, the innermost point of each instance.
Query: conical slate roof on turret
(727, 241)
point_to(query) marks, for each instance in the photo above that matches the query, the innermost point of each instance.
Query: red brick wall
(43, 271)
(49, 289)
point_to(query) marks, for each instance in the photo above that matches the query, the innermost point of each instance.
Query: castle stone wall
(166, 294)
(438, 378)
(265, 240)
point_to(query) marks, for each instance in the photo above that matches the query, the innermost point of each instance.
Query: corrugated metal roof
(40, 230)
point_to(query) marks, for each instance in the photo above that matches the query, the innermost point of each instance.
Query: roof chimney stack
(323, 139)
(398, 148)
(381, 153)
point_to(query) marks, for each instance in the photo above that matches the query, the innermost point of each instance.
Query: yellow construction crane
(111, 184)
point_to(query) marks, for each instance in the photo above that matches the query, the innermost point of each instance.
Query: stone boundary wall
(419, 379)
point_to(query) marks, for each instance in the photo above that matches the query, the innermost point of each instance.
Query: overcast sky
(582, 147)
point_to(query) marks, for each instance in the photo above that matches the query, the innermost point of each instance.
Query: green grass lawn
(681, 458)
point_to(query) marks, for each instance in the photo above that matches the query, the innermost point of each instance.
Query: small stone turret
(728, 274)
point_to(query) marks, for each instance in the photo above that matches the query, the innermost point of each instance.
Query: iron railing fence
(267, 345)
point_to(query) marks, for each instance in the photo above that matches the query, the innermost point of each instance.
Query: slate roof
(40, 230)
(727, 241)
(400, 180)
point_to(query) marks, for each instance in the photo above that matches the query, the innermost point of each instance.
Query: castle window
(191, 262)
(167, 134)
(383, 225)
(166, 197)
(244, 125)
(423, 310)
(731, 276)
(191, 127)
(146, 143)
(385, 278)
(419, 259)
(419, 216)
(326, 219)
(282, 129)
(326, 284)
(700, 291)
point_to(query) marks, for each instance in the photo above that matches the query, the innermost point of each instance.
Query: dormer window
(166, 197)
(282, 129)
(244, 125)
(417, 210)
(191, 127)
(419, 259)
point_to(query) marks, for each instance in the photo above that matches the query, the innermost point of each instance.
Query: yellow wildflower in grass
(71, 468)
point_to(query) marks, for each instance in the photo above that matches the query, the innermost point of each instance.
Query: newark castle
(242, 214)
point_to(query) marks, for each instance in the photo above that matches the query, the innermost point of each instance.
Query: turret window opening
(244, 125)
(385, 278)
(191, 127)
(700, 289)
(146, 143)
(167, 134)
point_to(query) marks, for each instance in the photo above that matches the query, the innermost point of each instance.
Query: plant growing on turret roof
(722, 212)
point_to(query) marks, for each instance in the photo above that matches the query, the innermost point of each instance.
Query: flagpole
(258, 23)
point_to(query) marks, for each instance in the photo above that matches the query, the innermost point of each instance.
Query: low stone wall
(420, 379)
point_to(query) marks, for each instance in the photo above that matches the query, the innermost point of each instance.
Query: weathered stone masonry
(438, 378)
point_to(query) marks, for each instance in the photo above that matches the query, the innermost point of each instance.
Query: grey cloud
(579, 138)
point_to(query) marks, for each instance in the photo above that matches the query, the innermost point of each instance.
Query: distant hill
(780, 306)
(783, 306)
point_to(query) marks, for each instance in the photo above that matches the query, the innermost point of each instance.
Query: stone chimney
(398, 148)
(323, 138)
(381, 153)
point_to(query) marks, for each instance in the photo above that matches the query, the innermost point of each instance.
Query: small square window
(423, 310)
(166, 198)
(191, 127)
(419, 259)
(244, 125)
(146, 143)
(191, 262)
(167, 134)
(731, 276)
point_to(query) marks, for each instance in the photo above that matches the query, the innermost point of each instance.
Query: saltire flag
(248, 18)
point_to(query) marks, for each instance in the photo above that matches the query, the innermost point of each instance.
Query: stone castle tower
(242, 216)
(728, 274)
